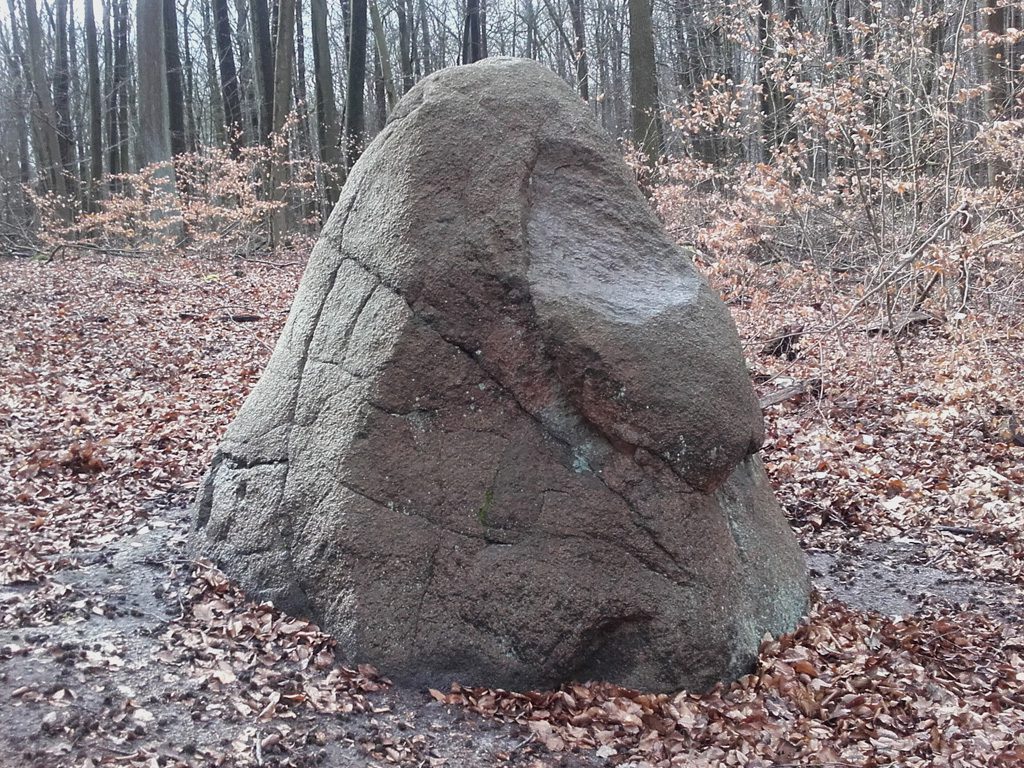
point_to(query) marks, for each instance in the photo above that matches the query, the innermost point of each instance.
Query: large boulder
(507, 436)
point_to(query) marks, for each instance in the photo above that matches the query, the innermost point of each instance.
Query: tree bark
(92, 58)
(767, 97)
(472, 44)
(154, 120)
(404, 45)
(308, 132)
(79, 127)
(355, 115)
(646, 108)
(228, 76)
(246, 72)
(380, 99)
(384, 57)
(483, 29)
(326, 108)
(530, 19)
(110, 90)
(414, 48)
(217, 117)
(44, 118)
(284, 61)
(259, 23)
(123, 145)
(580, 52)
(995, 59)
(175, 90)
(62, 101)
(995, 74)
(190, 79)
(19, 70)
(427, 53)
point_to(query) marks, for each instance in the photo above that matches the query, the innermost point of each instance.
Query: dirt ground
(87, 679)
(83, 680)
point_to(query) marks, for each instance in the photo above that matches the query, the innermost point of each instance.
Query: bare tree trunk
(794, 26)
(217, 117)
(346, 23)
(175, 90)
(228, 76)
(995, 74)
(355, 115)
(79, 128)
(11, 129)
(134, 158)
(601, 47)
(428, 65)
(326, 109)
(414, 49)
(472, 45)
(190, 79)
(110, 90)
(44, 118)
(154, 120)
(246, 72)
(530, 18)
(380, 99)
(92, 57)
(307, 130)
(620, 109)
(768, 95)
(284, 61)
(385, 58)
(580, 50)
(301, 96)
(259, 23)
(1015, 65)
(121, 75)
(483, 29)
(936, 42)
(19, 70)
(836, 25)
(644, 82)
(995, 59)
(62, 101)
(404, 45)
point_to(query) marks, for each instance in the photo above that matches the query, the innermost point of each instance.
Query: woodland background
(849, 175)
(882, 140)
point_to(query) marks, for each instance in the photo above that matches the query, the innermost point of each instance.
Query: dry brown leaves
(904, 438)
(249, 663)
(845, 689)
(118, 376)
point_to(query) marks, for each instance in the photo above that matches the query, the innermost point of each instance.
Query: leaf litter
(115, 649)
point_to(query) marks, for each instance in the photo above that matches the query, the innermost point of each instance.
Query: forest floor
(897, 467)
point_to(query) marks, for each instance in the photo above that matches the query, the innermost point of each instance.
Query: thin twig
(903, 264)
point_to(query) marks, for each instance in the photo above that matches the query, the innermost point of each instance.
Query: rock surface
(507, 436)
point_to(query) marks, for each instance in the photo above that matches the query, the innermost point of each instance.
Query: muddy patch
(896, 578)
(89, 678)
